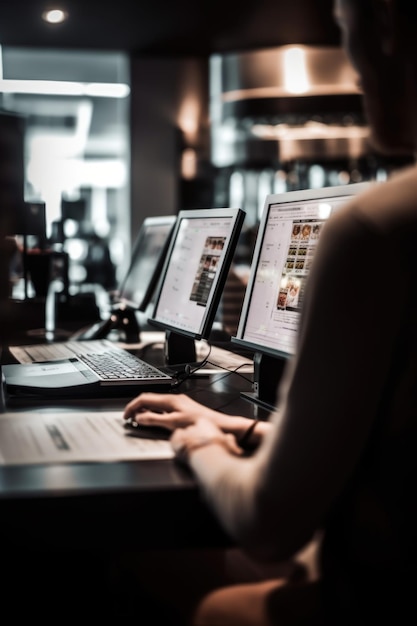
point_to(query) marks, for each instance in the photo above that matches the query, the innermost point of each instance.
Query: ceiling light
(295, 71)
(55, 16)
(64, 88)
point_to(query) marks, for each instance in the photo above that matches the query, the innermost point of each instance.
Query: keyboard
(219, 359)
(118, 365)
(113, 365)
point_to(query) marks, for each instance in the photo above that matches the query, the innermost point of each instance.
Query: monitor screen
(287, 239)
(138, 286)
(195, 269)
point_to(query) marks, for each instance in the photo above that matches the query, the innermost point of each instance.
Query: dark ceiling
(158, 27)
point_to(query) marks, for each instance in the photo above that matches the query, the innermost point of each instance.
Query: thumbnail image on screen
(207, 270)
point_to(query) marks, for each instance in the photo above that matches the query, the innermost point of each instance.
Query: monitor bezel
(238, 216)
(119, 297)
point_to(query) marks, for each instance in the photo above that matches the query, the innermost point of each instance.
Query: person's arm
(174, 411)
(273, 502)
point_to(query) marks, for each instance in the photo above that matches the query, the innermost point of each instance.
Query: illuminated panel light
(295, 72)
(188, 119)
(310, 130)
(54, 16)
(64, 88)
(281, 92)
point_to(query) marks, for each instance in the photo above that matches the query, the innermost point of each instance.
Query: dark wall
(11, 206)
(12, 129)
(162, 89)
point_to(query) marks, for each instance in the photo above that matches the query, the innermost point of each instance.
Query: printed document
(41, 437)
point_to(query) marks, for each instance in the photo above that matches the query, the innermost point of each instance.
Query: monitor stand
(179, 349)
(267, 373)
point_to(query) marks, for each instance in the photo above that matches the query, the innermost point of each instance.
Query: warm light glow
(65, 88)
(280, 92)
(309, 130)
(295, 71)
(189, 164)
(54, 16)
(188, 119)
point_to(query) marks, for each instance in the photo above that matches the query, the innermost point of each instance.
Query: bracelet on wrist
(244, 441)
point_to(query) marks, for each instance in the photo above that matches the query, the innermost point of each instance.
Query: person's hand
(174, 411)
(201, 434)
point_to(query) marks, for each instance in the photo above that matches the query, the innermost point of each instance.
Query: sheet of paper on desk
(39, 437)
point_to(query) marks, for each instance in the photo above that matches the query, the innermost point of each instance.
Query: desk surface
(160, 496)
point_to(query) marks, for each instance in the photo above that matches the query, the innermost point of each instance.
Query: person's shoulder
(385, 206)
(393, 201)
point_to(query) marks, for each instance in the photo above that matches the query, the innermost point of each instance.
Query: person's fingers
(169, 419)
(148, 401)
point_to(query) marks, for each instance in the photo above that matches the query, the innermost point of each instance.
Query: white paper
(68, 437)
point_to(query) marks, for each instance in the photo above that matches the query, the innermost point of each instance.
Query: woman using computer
(340, 457)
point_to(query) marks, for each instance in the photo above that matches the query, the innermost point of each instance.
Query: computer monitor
(286, 241)
(148, 253)
(201, 249)
(137, 288)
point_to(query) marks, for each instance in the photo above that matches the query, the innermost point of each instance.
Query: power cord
(189, 370)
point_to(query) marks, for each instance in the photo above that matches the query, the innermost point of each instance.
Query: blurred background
(123, 111)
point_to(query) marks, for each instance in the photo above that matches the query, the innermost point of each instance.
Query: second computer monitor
(192, 279)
